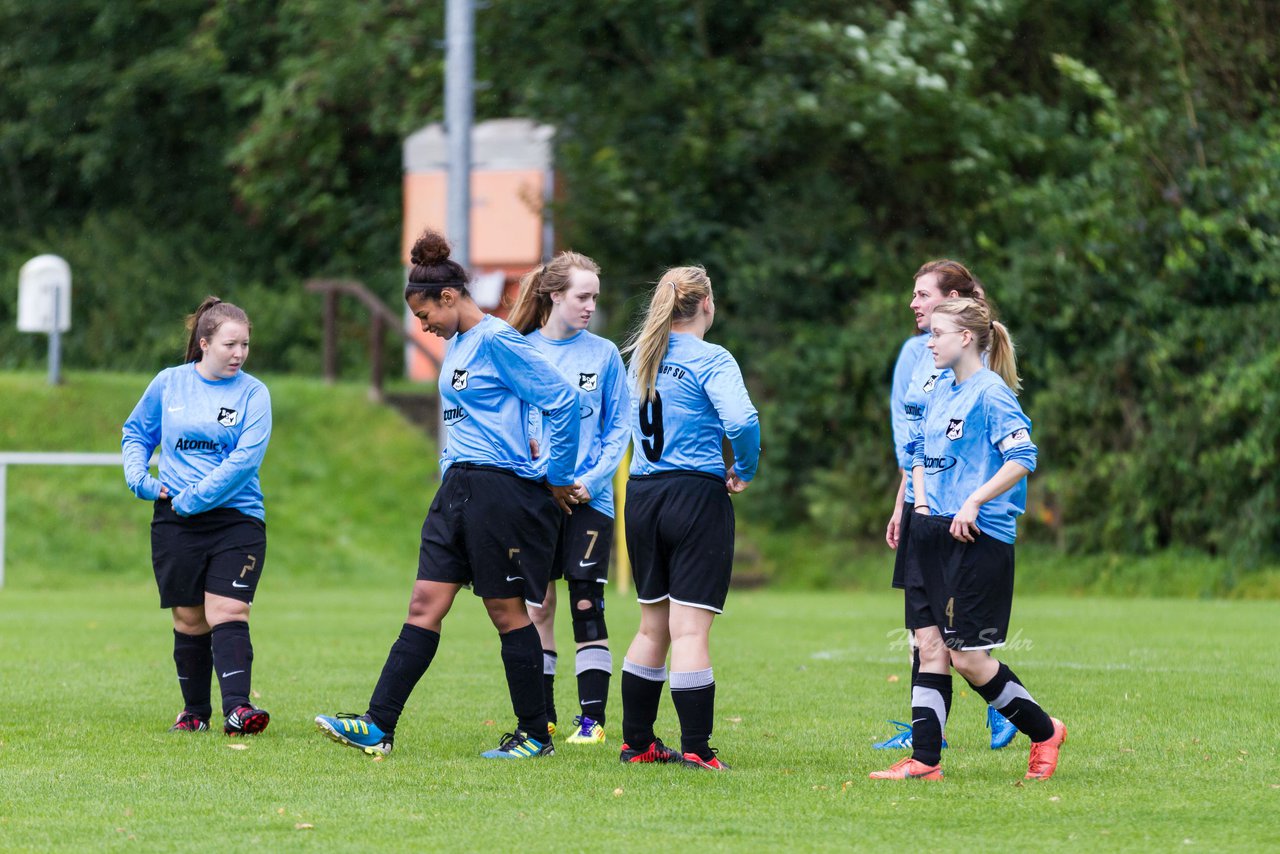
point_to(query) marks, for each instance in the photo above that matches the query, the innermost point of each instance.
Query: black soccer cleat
(656, 752)
(246, 720)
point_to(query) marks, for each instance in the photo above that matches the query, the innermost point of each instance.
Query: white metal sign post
(44, 304)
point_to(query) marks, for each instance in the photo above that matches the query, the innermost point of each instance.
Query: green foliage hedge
(1109, 170)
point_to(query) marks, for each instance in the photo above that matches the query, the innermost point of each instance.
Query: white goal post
(42, 458)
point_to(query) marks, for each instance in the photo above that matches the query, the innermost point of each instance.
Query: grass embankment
(348, 482)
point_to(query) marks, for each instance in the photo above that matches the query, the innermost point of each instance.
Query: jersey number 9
(651, 427)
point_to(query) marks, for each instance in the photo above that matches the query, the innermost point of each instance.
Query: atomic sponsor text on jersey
(935, 465)
(199, 445)
(453, 415)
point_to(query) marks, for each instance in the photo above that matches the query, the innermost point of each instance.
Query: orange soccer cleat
(908, 769)
(1044, 754)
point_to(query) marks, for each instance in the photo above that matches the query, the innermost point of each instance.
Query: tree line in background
(1110, 169)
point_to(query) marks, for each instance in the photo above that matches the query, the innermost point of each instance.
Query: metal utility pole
(459, 111)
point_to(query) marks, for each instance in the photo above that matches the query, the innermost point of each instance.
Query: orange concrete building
(511, 182)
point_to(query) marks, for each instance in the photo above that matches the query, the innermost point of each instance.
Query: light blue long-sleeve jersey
(968, 432)
(701, 399)
(908, 396)
(212, 436)
(490, 378)
(592, 365)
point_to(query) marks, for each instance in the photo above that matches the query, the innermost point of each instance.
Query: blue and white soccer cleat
(357, 731)
(1002, 730)
(901, 740)
(518, 745)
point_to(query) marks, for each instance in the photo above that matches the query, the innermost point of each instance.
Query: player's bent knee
(588, 611)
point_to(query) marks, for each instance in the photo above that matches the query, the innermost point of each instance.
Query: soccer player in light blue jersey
(211, 422)
(687, 398)
(493, 522)
(553, 310)
(914, 379)
(971, 455)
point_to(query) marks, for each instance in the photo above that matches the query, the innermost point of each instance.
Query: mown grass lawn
(1171, 707)
(1171, 703)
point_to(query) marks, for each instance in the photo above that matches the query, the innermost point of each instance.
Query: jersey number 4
(651, 427)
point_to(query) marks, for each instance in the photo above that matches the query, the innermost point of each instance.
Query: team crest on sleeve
(929, 383)
(228, 417)
(588, 382)
(459, 380)
(955, 428)
(1018, 437)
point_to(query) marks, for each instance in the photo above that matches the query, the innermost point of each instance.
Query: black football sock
(522, 659)
(409, 658)
(193, 655)
(233, 662)
(641, 693)
(694, 695)
(930, 704)
(549, 682)
(594, 665)
(915, 664)
(1007, 696)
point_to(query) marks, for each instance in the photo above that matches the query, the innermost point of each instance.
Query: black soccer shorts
(680, 528)
(584, 546)
(965, 589)
(221, 551)
(492, 529)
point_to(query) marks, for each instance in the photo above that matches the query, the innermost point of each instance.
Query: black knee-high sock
(549, 659)
(915, 664)
(193, 654)
(233, 662)
(1007, 696)
(409, 658)
(930, 705)
(594, 665)
(522, 659)
(694, 695)
(641, 693)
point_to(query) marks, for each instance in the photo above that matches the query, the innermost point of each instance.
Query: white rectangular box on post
(38, 281)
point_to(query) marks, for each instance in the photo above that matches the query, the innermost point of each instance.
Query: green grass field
(1171, 703)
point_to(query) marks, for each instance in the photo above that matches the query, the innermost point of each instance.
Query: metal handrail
(381, 319)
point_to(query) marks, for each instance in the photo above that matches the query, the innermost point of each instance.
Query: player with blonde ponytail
(971, 454)
(687, 397)
(915, 378)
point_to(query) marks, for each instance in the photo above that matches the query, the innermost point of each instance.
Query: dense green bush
(1109, 169)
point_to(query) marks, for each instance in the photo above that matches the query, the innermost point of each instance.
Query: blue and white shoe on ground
(901, 740)
(519, 745)
(358, 731)
(1002, 730)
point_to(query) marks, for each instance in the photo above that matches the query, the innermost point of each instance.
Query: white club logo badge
(459, 380)
(228, 417)
(588, 382)
(955, 428)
